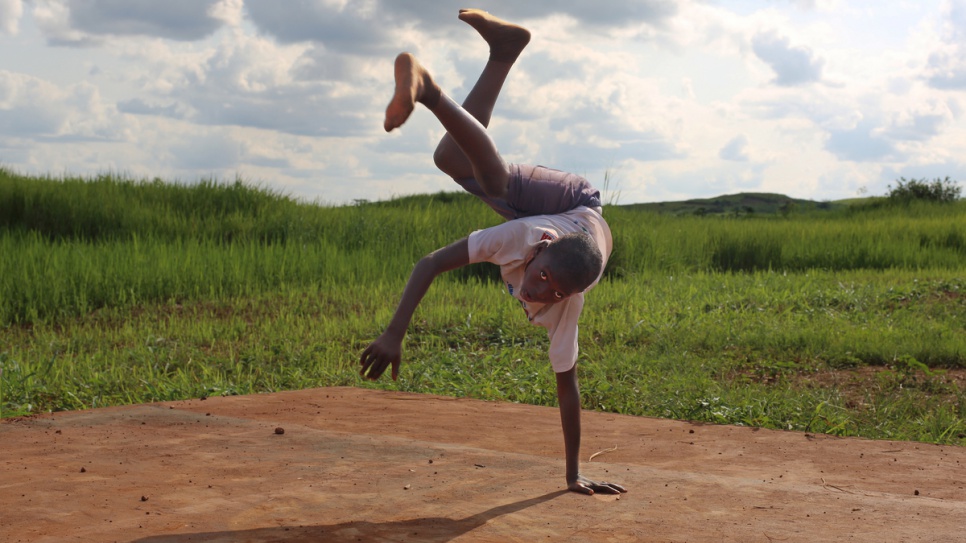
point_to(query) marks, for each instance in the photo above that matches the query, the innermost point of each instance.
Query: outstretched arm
(386, 350)
(568, 396)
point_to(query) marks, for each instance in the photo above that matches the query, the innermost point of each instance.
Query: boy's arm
(386, 350)
(568, 396)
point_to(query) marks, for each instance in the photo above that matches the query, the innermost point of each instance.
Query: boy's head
(560, 268)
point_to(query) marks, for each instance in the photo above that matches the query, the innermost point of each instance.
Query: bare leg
(415, 84)
(506, 42)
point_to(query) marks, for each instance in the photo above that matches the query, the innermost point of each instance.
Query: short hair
(577, 258)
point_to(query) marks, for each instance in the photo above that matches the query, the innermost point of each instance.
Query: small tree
(937, 190)
(787, 208)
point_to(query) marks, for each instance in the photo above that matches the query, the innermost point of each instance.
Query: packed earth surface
(356, 465)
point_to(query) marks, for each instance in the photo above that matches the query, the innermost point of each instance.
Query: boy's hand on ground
(384, 351)
(584, 485)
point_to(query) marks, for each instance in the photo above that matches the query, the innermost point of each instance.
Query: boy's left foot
(413, 84)
(506, 40)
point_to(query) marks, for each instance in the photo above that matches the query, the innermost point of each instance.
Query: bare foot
(413, 84)
(506, 40)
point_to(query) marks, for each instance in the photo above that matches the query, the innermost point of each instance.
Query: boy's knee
(439, 157)
(444, 160)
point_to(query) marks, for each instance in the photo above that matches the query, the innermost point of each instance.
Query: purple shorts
(537, 190)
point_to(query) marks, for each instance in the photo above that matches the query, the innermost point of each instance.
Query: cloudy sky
(820, 99)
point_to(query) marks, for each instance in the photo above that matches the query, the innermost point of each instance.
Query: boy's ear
(538, 248)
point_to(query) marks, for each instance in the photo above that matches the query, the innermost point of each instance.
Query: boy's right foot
(413, 84)
(506, 40)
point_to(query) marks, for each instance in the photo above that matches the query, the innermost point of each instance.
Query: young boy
(552, 249)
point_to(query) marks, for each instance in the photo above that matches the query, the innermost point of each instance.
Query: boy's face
(540, 283)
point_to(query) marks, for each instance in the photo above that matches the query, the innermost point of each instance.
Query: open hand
(386, 350)
(584, 485)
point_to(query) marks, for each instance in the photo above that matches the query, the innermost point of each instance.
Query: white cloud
(946, 65)
(921, 121)
(375, 25)
(88, 23)
(864, 142)
(30, 107)
(53, 19)
(10, 13)
(947, 68)
(230, 12)
(954, 12)
(736, 149)
(208, 150)
(250, 81)
(685, 99)
(793, 65)
(171, 19)
(368, 27)
(34, 108)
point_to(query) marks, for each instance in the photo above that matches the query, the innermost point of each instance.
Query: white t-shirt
(508, 245)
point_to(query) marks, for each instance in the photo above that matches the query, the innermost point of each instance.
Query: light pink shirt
(508, 245)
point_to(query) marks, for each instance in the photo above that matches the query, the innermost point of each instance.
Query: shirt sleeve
(502, 244)
(561, 325)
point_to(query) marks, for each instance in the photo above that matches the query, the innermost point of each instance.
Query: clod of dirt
(84, 470)
(280, 430)
(144, 498)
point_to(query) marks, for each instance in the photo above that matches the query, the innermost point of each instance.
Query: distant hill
(743, 203)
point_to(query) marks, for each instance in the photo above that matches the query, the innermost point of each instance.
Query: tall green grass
(880, 238)
(119, 291)
(74, 245)
(109, 208)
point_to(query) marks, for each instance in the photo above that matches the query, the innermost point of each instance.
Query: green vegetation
(938, 190)
(849, 321)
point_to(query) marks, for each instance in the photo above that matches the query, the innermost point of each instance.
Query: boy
(553, 247)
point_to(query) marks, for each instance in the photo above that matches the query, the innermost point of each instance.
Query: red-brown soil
(357, 465)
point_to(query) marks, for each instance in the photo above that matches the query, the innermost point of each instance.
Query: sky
(651, 100)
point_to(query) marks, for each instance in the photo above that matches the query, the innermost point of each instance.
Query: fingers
(609, 488)
(376, 358)
(372, 364)
(618, 487)
(588, 486)
(581, 489)
(374, 368)
(364, 360)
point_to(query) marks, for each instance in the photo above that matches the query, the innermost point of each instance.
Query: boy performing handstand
(552, 249)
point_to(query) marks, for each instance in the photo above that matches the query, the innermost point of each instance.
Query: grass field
(849, 320)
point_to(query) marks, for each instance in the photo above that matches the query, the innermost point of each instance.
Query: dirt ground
(352, 465)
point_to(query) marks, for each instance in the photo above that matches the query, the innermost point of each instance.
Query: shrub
(937, 190)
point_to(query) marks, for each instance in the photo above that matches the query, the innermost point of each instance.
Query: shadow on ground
(429, 530)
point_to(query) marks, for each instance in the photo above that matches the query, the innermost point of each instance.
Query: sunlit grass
(118, 292)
